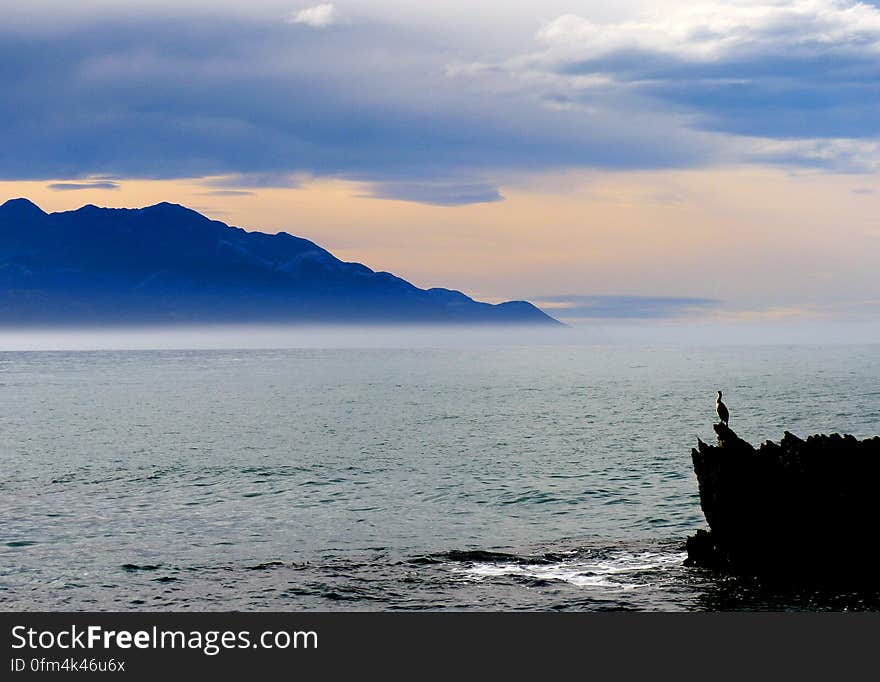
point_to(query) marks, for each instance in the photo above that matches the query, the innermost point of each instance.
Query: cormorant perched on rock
(721, 409)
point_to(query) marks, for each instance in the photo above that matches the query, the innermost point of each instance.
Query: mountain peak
(167, 263)
(173, 212)
(166, 206)
(21, 209)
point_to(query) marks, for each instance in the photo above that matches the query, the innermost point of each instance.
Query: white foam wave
(606, 573)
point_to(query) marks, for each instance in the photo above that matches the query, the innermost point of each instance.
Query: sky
(626, 161)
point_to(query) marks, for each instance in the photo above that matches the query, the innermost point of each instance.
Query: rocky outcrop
(798, 509)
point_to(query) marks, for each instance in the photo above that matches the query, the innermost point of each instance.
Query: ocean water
(492, 478)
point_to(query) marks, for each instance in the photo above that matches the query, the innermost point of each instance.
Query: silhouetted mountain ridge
(169, 263)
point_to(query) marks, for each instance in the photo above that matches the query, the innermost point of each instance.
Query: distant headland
(167, 264)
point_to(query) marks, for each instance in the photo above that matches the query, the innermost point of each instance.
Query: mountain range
(169, 264)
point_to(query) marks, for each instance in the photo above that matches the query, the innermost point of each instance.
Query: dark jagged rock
(801, 510)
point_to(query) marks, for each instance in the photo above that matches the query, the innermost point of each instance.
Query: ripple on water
(260, 479)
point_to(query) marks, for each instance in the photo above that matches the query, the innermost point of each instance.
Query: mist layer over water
(542, 477)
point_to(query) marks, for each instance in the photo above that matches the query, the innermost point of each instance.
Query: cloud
(574, 307)
(68, 186)
(319, 16)
(840, 155)
(227, 193)
(253, 180)
(711, 31)
(437, 193)
(146, 98)
(800, 69)
(396, 105)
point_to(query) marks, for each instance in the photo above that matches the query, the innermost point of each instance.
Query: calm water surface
(489, 478)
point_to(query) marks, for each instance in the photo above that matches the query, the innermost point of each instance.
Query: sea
(493, 477)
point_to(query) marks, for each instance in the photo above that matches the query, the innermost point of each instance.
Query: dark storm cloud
(264, 102)
(767, 95)
(164, 99)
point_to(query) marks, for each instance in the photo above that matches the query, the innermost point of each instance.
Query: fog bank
(596, 333)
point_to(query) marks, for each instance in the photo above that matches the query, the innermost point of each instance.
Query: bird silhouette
(721, 409)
